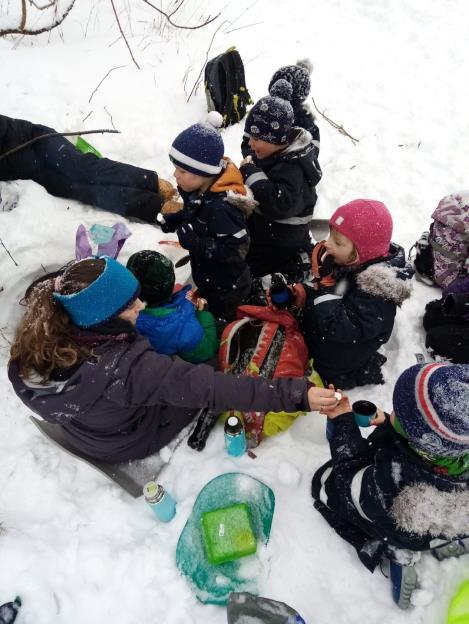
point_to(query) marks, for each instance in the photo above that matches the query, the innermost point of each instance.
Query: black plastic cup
(364, 412)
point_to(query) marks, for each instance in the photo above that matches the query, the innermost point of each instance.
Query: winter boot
(456, 548)
(403, 582)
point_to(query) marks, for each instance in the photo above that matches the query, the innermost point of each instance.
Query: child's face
(131, 313)
(340, 247)
(189, 182)
(262, 149)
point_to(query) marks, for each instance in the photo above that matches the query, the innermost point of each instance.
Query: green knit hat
(155, 272)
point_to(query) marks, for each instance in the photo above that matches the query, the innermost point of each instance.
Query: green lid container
(227, 533)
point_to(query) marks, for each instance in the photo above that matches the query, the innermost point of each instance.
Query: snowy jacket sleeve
(279, 194)
(354, 317)
(153, 379)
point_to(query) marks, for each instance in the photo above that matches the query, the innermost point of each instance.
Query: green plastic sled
(86, 148)
(214, 583)
(459, 608)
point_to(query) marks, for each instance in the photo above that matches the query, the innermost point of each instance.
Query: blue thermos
(235, 436)
(161, 502)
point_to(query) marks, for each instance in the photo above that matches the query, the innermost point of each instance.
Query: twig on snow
(196, 83)
(335, 125)
(21, 30)
(208, 21)
(102, 80)
(8, 252)
(53, 134)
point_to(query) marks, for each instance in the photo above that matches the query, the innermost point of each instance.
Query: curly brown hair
(44, 339)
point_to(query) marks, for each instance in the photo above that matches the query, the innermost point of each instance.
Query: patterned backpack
(442, 254)
(262, 342)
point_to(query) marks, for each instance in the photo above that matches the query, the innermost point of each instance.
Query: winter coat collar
(388, 277)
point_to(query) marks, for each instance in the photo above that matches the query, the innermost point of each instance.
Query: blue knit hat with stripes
(110, 294)
(199, 149)
(431, 402)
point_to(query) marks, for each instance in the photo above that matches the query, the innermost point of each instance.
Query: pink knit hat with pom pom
(368, 224)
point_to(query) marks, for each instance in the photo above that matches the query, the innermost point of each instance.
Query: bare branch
(122, 33)
(85, 118)
(208, 21)
(338, 127)
(196, 83)
(42, 8)
(25, 31)
(23, 14)
(103, 79)
(110, 118)
(53, 134)
(8, 252)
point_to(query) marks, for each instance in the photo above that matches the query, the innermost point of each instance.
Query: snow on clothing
(63, 171)
(129, 401)
(284, 185)
(376, 492)
(446, 322)
(345, 325)
(177, 328)
(212, 227)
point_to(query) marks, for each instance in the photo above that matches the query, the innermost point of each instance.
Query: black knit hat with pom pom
(299, 78)
(271, 118)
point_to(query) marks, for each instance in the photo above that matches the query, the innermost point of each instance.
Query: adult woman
(77, 360)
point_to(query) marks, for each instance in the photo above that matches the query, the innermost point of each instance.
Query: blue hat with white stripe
(199, 149)
(110, 294)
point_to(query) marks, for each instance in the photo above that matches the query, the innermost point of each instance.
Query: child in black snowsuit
(282, 174)
(299, 78)
(446, 322)
(406, 485)
(212, 224)
(359, 279)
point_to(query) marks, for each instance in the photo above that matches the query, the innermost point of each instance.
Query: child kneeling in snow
(173, 323)
(407, 484)
(212, 223)
(359, 278)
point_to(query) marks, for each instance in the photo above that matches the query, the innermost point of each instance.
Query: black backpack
(225, 86)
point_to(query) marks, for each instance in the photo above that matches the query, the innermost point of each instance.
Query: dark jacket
(388, 492)
(219, 240)
(175, 329)
(64, 171)
(304, 118)
(284, 185)
(131, 401)
(345, 325)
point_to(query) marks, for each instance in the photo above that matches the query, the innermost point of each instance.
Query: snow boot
(455, 548)
(403, 582)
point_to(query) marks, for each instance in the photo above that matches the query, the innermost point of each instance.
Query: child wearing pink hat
(359, 277)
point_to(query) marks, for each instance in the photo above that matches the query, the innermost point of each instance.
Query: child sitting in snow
(212, 223)
(173, 323)
(359, 278)
(299, 78)
(407, 483)
(446, 322)
(282, 174)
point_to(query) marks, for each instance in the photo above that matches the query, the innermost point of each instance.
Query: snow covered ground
(394, 74)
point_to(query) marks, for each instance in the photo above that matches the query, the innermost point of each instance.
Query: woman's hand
(341, 407)
(322, 398)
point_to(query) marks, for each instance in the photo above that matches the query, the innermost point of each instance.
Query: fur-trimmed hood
(246, 203)
(388, 278)
(422, 509)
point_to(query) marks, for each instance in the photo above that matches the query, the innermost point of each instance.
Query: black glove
(186, 235)
(456, 305)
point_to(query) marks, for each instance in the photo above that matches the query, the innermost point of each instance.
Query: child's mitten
(322, 267)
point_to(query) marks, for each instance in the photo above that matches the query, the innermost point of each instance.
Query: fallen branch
(21, 30)
(208, 21)
(338, 127)
(8, 252)
(52, 134)
(103, 79)
(122, 33)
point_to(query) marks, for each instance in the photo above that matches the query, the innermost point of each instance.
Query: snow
(78, 549)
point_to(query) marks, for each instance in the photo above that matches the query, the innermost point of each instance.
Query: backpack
(442, 254)
(225, 87)
(262, 342)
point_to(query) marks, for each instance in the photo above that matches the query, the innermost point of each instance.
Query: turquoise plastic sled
(214, 583)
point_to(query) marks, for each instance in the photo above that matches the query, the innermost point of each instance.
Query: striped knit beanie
(431, 402)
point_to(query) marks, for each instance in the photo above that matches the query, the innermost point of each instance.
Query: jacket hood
(237, 194)
(389, 278)
(423, 509)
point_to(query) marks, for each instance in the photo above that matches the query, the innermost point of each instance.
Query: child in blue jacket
(173, 323)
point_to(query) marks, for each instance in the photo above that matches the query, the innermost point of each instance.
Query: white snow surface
(78, 549)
